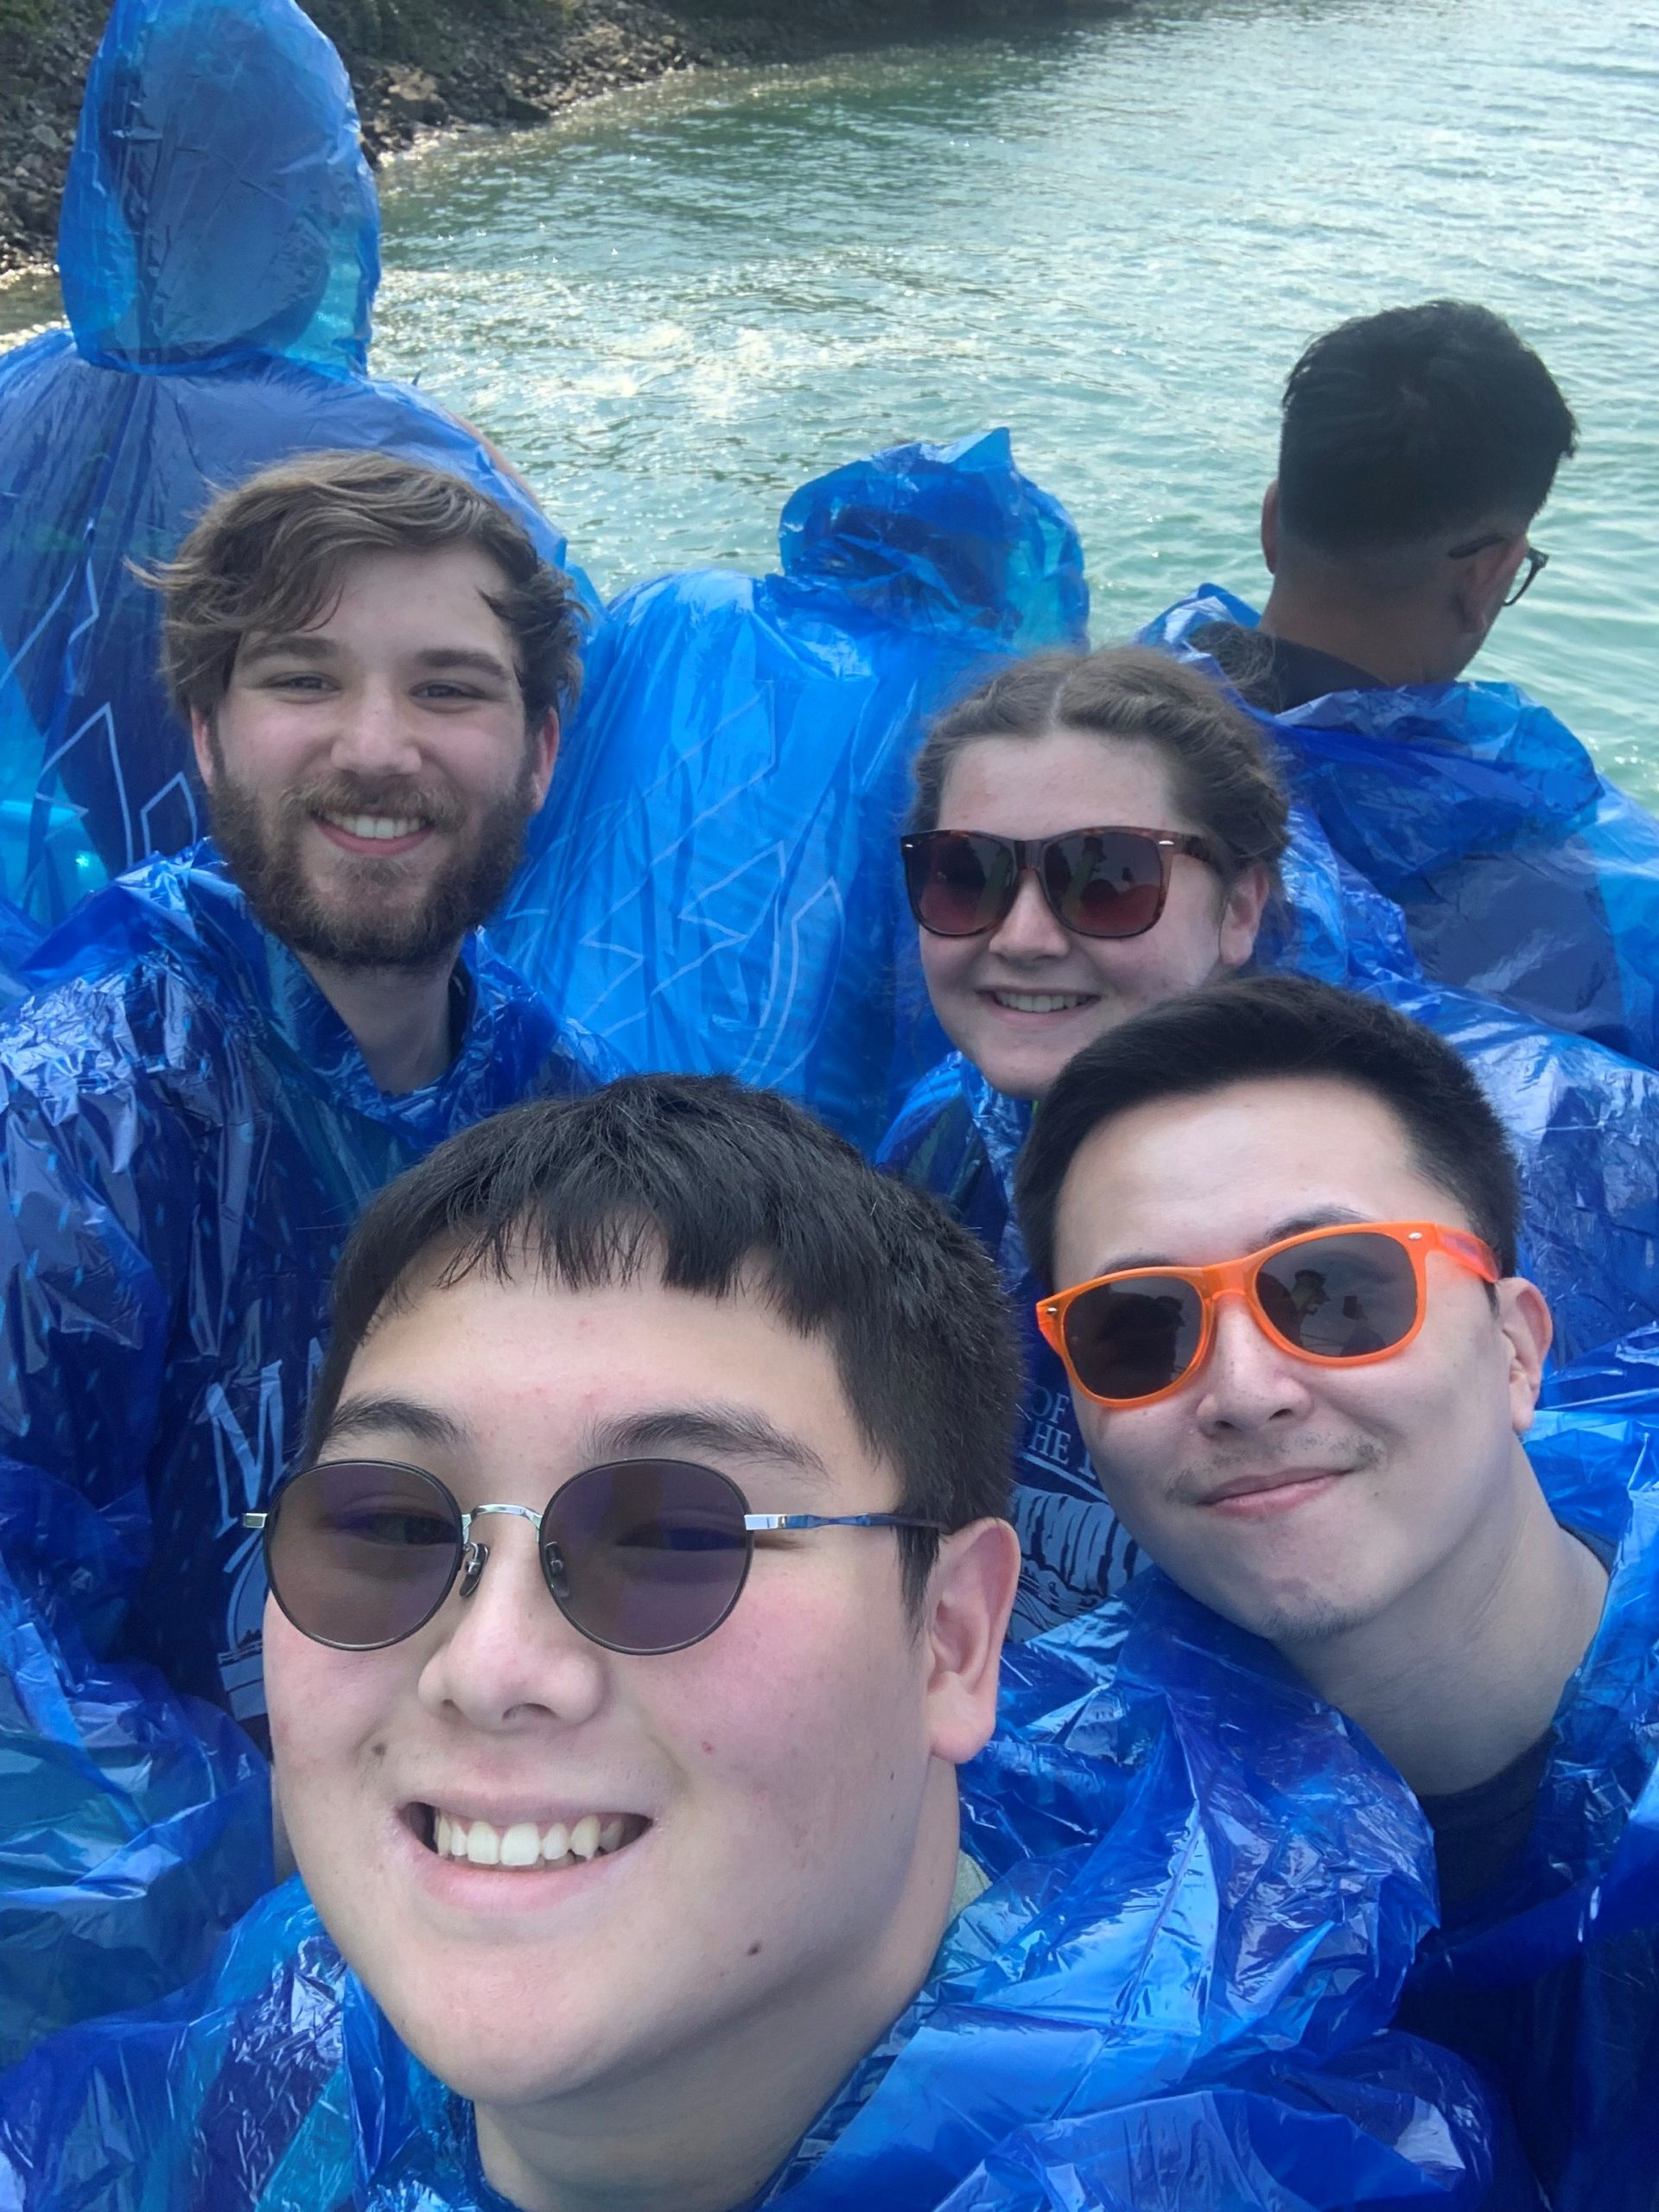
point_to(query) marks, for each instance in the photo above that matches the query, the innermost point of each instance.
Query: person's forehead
(1197, 1180)
(577, 1366)
(1065, 779)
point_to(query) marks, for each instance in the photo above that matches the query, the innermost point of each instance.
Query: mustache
(1343, 1454)
(404, 797)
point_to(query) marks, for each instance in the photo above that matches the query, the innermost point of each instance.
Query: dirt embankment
(423, 64)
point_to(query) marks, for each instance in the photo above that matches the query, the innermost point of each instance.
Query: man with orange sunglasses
(1284, 1221)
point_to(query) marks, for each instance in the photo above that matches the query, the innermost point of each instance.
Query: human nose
(1030, 929)
(1247, 1381)
(375, 731)
(509, 1651)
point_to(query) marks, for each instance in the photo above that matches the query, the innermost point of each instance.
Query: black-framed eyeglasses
(1101, 883)
(1533, 566)
(639, 1555)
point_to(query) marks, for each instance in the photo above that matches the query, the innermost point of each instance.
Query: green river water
(676, 304)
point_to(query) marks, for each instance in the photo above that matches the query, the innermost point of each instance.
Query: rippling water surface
(674, 306)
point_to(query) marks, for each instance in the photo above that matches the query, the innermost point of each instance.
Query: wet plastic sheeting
(135, 1826)
(1523, 875)
(714, 883)
(1206, 1889)
(220, 249)
(1551, 1984)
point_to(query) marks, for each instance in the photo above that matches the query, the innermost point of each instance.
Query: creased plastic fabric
(187, 1132)
(1584, 1122)
(1523, 875)
(1207, 1892)
(714, 883)
(220, 249)
(1551, 1983)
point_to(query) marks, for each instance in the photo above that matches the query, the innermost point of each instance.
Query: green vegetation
(20, 18)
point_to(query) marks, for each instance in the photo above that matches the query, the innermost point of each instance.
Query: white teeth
(522, 1845)
(1040, 1001)
(373, 825)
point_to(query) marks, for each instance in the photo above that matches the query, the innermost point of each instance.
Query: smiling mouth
(376, 829)
(1041, 1002)
(533, 1845)
(1268, 1493)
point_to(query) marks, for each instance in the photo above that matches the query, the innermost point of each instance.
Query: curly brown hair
(267, 559)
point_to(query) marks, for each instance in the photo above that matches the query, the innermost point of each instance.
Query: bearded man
(225, 1055)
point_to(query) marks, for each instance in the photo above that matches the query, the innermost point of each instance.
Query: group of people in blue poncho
(942, 1493)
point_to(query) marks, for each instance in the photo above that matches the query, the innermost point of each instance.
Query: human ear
(1483, 579)
(969, 1597)
(1240, 915)
(544, 751)
(1270, 527)
(1523, 1318)
(201, 741)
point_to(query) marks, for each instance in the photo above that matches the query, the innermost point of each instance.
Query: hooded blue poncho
(1523, 875)
(714, 883)
(219, 251)
(188, 1130)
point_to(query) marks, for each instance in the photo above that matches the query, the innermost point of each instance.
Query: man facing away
(225, 1055)
(1304, 1362)
(1417, 447)
(635, 1605)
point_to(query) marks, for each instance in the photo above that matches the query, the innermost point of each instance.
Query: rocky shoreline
(454, 63)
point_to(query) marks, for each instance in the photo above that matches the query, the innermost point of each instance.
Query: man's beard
(374, 922)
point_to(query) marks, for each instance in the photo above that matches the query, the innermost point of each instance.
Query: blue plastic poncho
(186, 1131)
(1523, 875)
(1551, 1981)
(219, 251)
(714, 883)
(1206, 1892)
(1584, 1123)
(958, 1137)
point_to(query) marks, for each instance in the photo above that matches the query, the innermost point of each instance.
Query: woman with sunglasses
(1091, 835)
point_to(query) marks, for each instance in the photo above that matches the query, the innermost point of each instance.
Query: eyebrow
(373, 1416)
(298, 645)
(1330, 1216)
(467, 658)
(726, 1432)
(310, 645)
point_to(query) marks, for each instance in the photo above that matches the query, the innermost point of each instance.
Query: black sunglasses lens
(958, 884)
(1105, 882)
(651, 1554)
(1132, 1339)
(360, 1553)
(1340, 1297)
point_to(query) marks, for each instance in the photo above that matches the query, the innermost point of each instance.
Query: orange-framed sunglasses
(1342, 1297)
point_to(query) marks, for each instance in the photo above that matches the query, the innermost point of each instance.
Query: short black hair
(1258, 1027)
(1401, 426)
(713, 1182)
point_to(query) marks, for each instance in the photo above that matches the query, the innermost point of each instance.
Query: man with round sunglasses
(1281, 1222)
(636, 1602)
